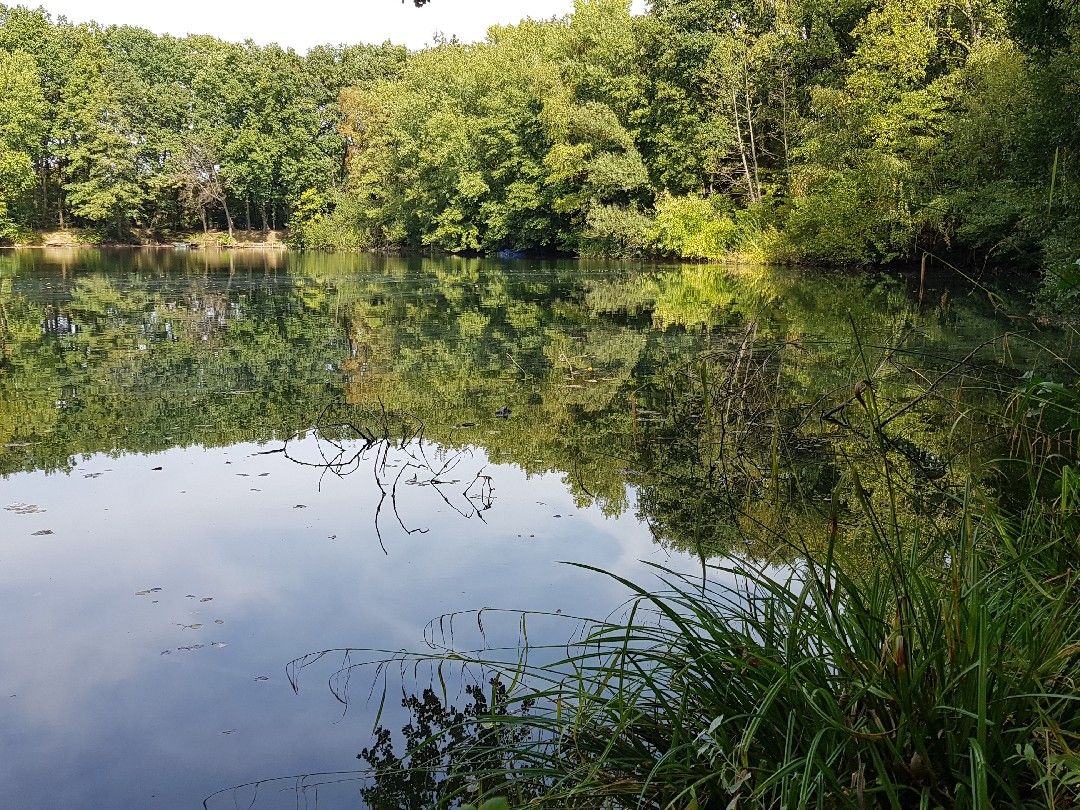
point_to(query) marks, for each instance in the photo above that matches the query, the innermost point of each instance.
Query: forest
(849, 132)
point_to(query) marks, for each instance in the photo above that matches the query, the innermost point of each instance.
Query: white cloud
(314, 22)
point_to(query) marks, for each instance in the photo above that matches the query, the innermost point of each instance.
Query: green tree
(100, 146)
(22, 127)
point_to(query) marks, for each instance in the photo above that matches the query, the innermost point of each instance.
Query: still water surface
(160, 564)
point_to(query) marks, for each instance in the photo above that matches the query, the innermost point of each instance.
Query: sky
(300, 24)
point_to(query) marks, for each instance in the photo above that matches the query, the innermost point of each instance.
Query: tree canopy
(850, 132)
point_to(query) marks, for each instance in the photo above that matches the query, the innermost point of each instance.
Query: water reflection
(189, 421)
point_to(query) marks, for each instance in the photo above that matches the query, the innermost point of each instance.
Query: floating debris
(191, 648)
(219, 621)
(188, 626)
(166, 652)
(207, 599)
(157, 469)
(229, 731)
(264, 475)
(24, 508)
(300, 506)
(262, 677)
(43, 532)
(148, 591)
(93, 475)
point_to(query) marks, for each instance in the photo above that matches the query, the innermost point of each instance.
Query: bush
(1061, 256)
(335, 224)
(617, 231)
(693, 228)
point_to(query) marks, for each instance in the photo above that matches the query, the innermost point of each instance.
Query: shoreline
(211, 240)
(274, 246)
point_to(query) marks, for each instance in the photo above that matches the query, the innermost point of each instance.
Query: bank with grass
(936, 669)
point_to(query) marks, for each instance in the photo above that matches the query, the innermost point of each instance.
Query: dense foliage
(852, 132)
(117, 128)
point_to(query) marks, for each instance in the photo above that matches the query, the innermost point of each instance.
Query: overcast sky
(303, 23)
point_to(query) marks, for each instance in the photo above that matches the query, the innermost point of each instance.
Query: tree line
(115, 128)
(838, 131)
(855, 132)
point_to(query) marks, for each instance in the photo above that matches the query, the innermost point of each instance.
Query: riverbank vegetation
(937, 671)
(858, 132)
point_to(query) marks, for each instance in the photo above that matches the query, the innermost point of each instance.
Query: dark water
(160, 565)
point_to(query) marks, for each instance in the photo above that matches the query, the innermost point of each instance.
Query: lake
(216, 463)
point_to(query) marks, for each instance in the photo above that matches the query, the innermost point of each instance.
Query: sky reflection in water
(96, 714)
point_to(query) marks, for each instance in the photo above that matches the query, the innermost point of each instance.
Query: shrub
(618, 231)
(334, 224)
(693, 228)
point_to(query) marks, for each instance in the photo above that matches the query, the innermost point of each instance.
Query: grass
(945, 676)
(945, 679)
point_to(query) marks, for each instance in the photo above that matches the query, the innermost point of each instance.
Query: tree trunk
(60, 195)
(750, 127)
(784, 99)
(247, 212)
(228, 216)
(44, 189)
(750, 188)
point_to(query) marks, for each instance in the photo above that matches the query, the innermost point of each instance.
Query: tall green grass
(944, 673)
(947, 676)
